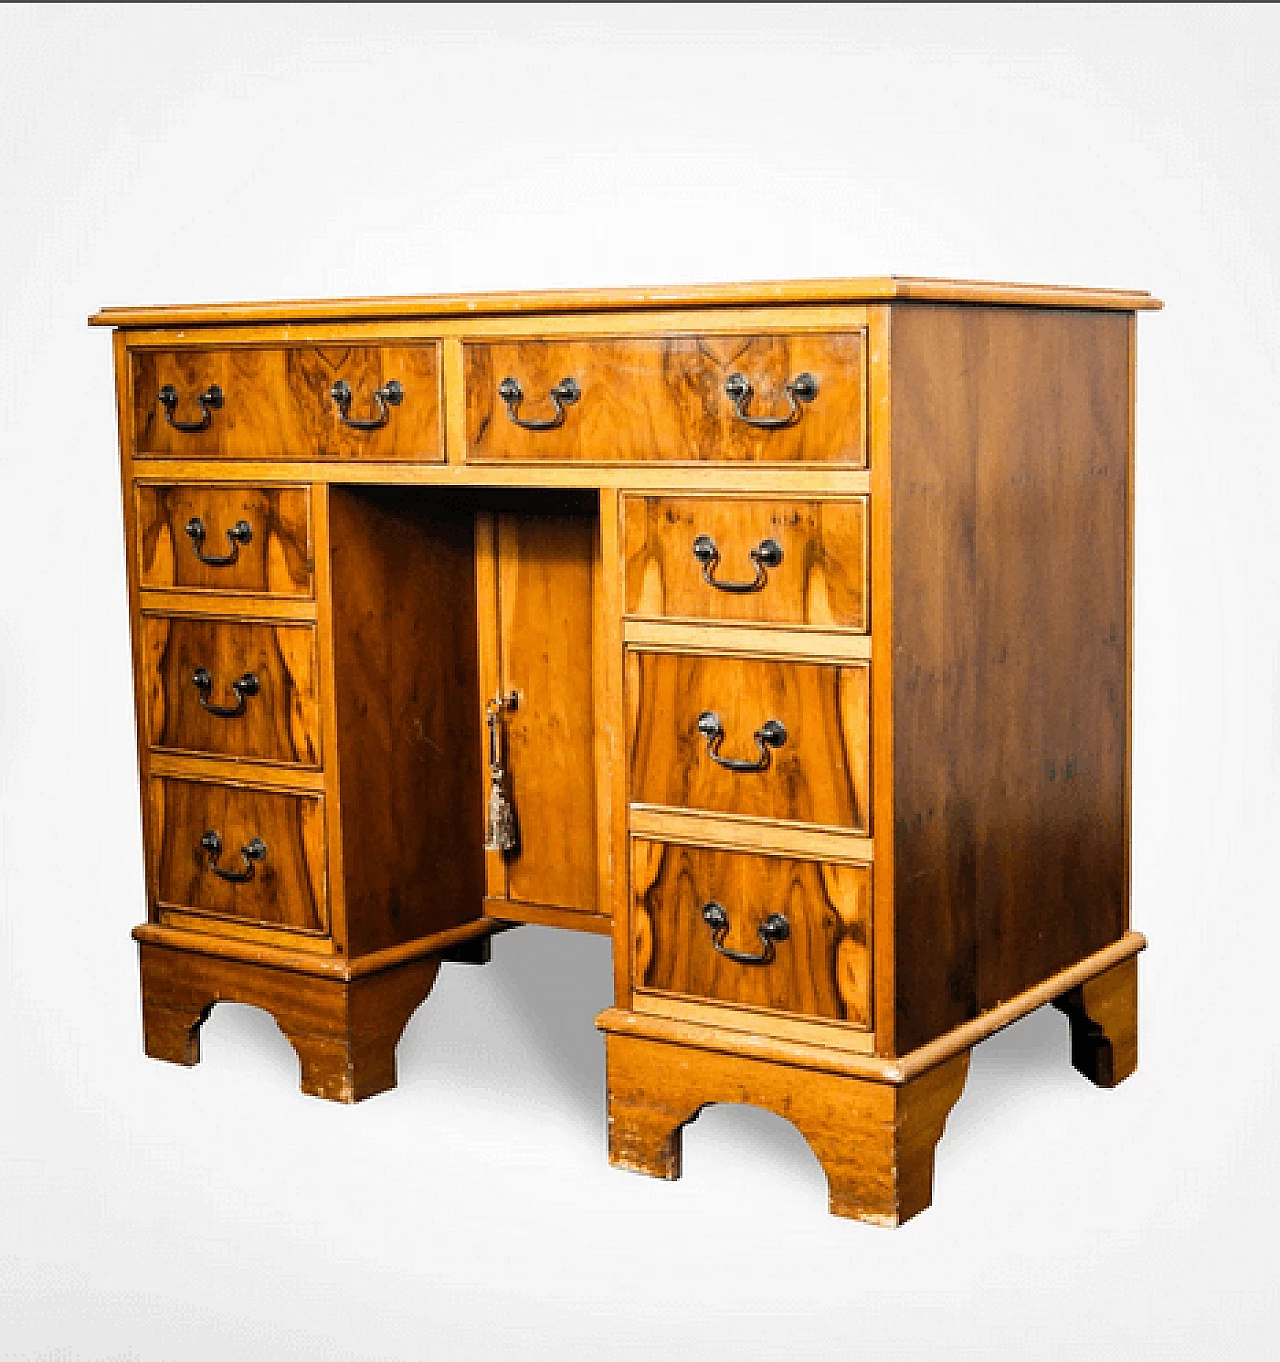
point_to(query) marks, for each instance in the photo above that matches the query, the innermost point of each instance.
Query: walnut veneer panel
(276, 402)
(276, 561)
(1010, 476)
(645, 398)
(821, 580)
(822, 969)
(821, 774)
(279, 722)
(288, 884)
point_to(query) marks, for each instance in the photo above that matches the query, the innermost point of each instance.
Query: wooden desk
(780, 631)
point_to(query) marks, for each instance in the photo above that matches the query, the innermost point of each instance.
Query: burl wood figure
(781, 632)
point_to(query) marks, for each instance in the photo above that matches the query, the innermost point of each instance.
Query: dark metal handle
(255, 850)
(565, 393)
(240, 533)
(244, 686)
(210, 401)
(391, 394)
(766, 554)
(769, 735)
(773, 929)
(802, 388)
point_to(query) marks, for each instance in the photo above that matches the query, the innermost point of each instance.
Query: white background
(186, 153)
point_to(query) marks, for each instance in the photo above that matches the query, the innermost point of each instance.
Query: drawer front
(646, 398)
(226, 539)
(198, 699)
(276, 403)
(280, 882)
(816, 964)
(747, 560)
(820, 771)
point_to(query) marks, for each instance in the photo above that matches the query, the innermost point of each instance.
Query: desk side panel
(1010, 513)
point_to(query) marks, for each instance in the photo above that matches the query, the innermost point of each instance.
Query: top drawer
(280, 403)
(693, 399)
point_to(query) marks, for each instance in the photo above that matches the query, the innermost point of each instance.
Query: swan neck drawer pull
(773, 929)
(243, 686)
(766, 554)
(391, 394)
(563, 395)
(210, 401)
(240, 533)
(252, 852)
(769, 735)
(802, 388)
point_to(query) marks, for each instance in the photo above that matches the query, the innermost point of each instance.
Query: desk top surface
(886, 288)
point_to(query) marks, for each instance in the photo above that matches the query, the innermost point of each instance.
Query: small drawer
(783, 741)
(366, 402)
(254, 539)
(689, 399)
(253, 856)
(224, 688)
(770, 932)
(747, 560)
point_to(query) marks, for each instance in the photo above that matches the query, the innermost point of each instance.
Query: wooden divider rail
(781, 632)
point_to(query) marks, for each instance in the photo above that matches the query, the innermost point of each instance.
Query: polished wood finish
(277, 561)
(821, 581)
(288, 885)
(1010, 450)
(280, 721)
(875, 1141)
(344, 1032)
(405, 669)
(277, 403)
(822, 969)
(947, 640)
(663, 398)
(820, 775)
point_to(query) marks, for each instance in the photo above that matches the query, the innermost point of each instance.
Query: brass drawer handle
(254, 850)
(244, 686)
(391, 394)
(773, 929)
(564, 394)
(802, 388)
(240, 533)
(769, 735)
(210, 401)
(766, 554)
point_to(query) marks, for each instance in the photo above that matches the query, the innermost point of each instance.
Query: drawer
(254, 856)
(198, 698)
(800, 930)
(664, 397)
(225, 539)
(278, 403)
(747, 560)
(816, 770)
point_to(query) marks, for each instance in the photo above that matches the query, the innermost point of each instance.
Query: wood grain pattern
(404, 657)
(1103, 1012)
(821, 970)
(281, 723)
(874, 1140)
(649, 398)
(277, 403)
(343, 1032)
(771, 293)
(545, 592)
(820, 775)
(288, 886)
(277, 561)
(1010, 459)
(821, 581)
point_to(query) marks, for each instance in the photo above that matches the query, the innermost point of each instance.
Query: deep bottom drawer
(255, 856)
(784, 934)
